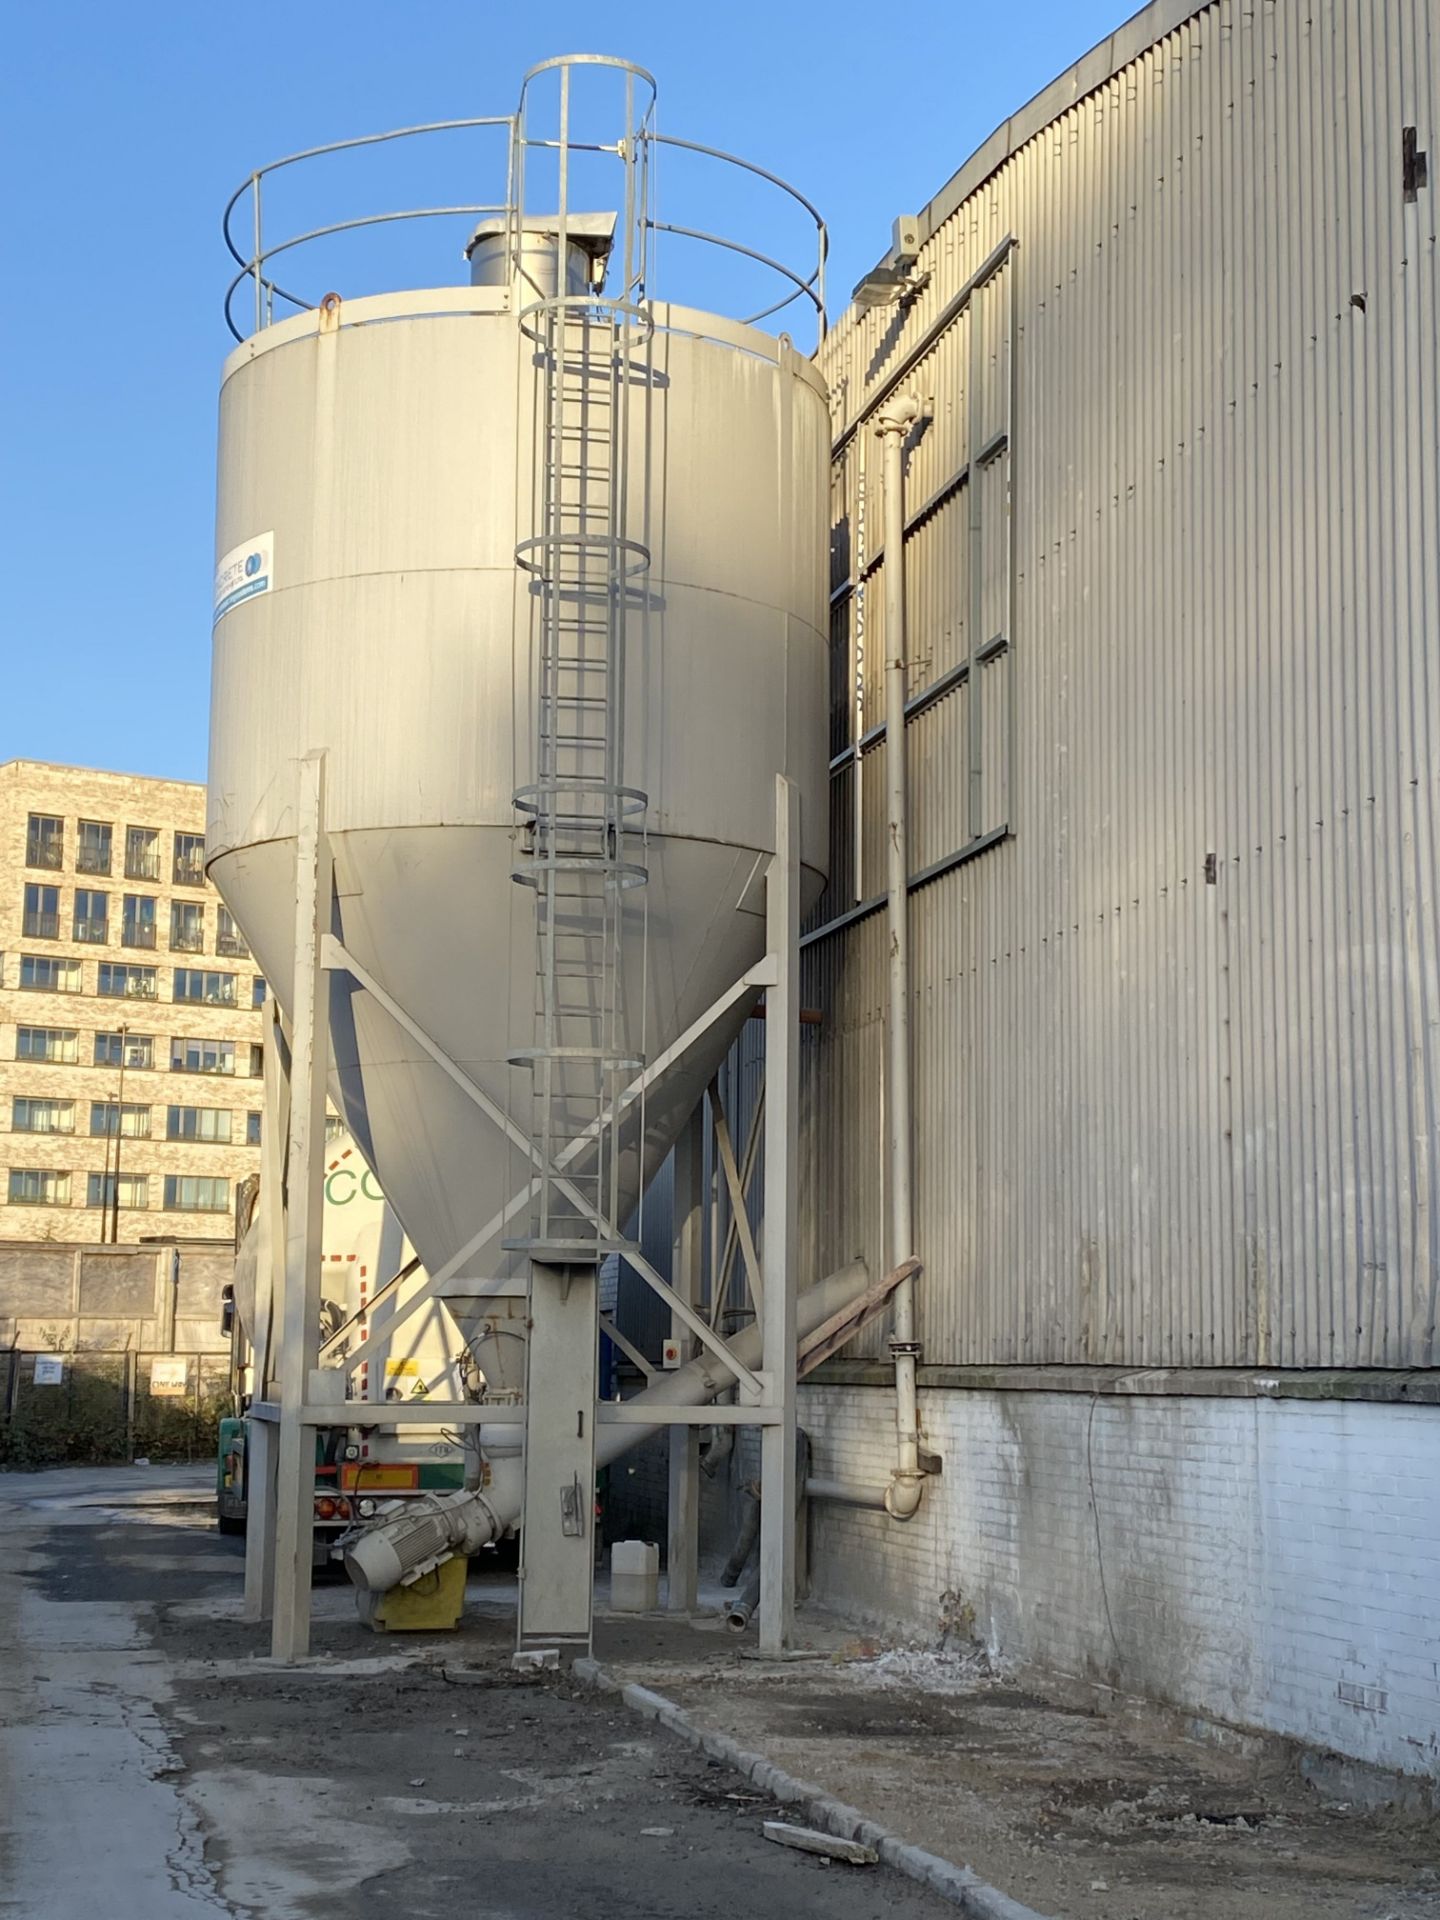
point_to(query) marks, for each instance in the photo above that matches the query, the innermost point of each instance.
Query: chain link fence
(87, 1408)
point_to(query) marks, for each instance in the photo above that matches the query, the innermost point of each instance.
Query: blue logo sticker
(252, 565)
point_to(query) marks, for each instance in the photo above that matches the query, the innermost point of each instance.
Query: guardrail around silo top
(257, 265)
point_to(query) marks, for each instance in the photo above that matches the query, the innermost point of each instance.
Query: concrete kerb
(958, 1884)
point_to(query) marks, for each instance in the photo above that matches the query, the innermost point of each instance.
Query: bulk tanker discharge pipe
(390, 1552)
(907, 1484)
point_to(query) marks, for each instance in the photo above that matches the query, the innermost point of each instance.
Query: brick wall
(1271, 1564)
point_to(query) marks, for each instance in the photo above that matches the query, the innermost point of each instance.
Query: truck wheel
(230, 1523)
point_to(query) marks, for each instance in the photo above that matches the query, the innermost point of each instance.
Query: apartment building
(130, 1024)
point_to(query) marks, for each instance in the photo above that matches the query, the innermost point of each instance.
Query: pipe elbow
(904, 1495)
(897, 414)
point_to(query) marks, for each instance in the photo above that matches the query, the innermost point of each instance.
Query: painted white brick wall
(1266, 1563)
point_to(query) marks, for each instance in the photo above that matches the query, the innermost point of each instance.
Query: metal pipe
(902, 1499)
(437, 1525)
(745, 1539)
(739, 1611)
(846, 1496)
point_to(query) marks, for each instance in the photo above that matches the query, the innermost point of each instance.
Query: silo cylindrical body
(381, 455)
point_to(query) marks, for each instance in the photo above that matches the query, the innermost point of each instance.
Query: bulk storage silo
(381, 530)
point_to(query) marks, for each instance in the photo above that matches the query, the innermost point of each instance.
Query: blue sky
(125, 128)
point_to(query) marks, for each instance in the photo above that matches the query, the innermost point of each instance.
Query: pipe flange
(904, 1349)
(897, 414)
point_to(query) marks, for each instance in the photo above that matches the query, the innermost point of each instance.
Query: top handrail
(255, 266)
(343, 146)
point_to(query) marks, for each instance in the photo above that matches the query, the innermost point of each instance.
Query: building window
(202, 1056)
(252, 1129)
(91, 924)
(209, 989)
(211, 1124)
(120, 982)
(134, 1190)
(257, 1060)
(257, 992)
(45, 841)
(92, 846)
(228, 938)
(187, 926)
(334, 1127)
(137, 926)
(42, 912)
(106, 1117)
(192, 1193)
(59, 1045)
(189, 867)
(39, 1187)
(128, 1049)
(42, 1116)
(43, 973)
(142, 853)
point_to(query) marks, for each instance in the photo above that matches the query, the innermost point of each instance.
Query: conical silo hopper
(379, 464)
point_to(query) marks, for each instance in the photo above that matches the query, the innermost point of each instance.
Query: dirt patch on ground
(1066, 1810)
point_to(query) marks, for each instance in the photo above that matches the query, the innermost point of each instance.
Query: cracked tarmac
(154, 1767)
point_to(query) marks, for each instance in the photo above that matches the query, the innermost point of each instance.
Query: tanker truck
(369, 1271)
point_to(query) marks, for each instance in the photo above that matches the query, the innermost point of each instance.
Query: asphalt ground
(155, 1766)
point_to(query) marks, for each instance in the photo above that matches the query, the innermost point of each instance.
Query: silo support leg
(260, 1489)
(262, 1440)
(780, 1229)
(299, 1283)
(682, 1558)
(557, 1524)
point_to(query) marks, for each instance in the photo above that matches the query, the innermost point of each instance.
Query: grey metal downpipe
(740, 1610)
(902, 1497)
(745, 1539)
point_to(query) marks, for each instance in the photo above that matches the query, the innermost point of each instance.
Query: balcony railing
(91, 860)
(142, 865)
(232, 946)
(209, 997)
(136, 935)
(190, 872)
(92, 933)
(45, 853)
(118, 989)
(187, 940)
(42, 926)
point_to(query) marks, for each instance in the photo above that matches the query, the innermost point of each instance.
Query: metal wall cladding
(1177, 1034)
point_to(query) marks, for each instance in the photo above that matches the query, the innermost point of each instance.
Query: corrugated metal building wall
(1173, 564)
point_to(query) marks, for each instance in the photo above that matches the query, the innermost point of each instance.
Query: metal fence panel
(85, 1407)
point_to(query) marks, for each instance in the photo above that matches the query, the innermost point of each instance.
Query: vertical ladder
(580, 854)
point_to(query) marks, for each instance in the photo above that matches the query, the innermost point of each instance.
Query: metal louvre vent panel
(1159, 1120)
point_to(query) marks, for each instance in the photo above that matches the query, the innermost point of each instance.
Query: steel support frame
(305, 1396)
